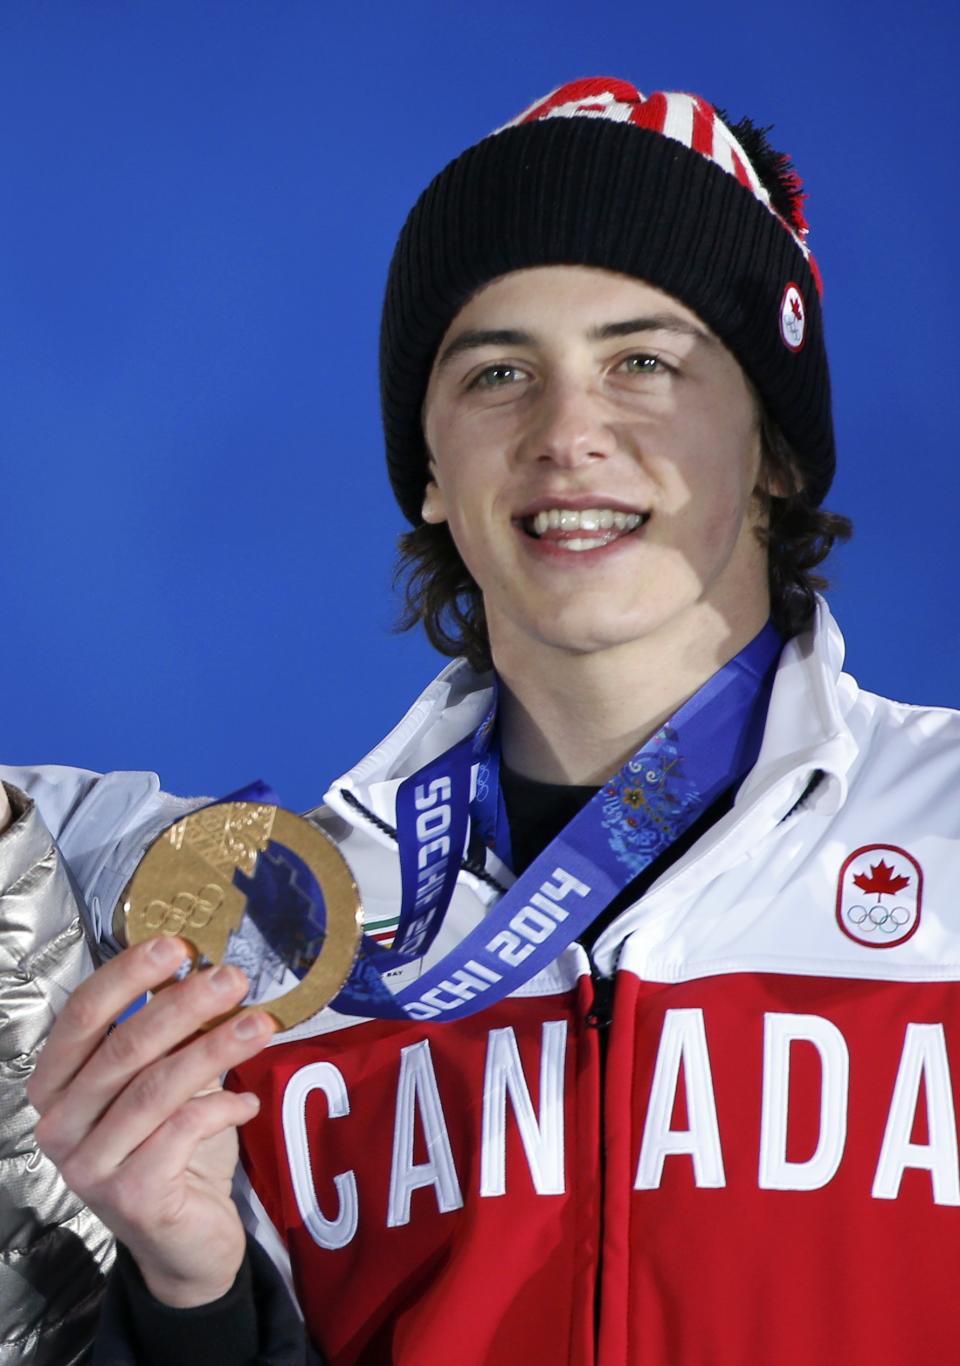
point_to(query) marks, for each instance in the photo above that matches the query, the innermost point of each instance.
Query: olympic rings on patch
(885, 919)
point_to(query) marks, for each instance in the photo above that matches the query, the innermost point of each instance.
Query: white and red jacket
(762, 1163)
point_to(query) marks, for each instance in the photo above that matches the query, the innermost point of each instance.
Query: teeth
(590, 519)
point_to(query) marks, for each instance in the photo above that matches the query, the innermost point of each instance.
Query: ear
(779, 476)
(780, 473)
(434, 509)
(778, 483)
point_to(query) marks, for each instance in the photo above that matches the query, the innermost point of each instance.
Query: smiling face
(595, 450)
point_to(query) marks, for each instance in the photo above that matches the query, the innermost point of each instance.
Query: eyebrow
(475, 340)
(653, 322)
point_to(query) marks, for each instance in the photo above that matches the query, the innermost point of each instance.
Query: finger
(153, 1097)
(148, 1187)
(169, 1151)
(93, 1007)
(132, 1049)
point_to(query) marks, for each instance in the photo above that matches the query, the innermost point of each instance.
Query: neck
(576, 718)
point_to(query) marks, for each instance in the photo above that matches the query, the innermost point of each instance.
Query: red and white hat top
(689, 119)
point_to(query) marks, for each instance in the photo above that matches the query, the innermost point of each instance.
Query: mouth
(569, 529)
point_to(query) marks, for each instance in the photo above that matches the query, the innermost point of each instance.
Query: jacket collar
(806, 730)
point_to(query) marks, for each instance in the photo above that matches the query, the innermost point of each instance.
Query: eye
(496, 377)
(642, 363)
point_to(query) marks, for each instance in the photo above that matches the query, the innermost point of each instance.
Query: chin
(594, 622)
(580, 631)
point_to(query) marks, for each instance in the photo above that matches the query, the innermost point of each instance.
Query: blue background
(198, 202)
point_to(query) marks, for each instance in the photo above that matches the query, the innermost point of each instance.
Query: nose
(567, 427)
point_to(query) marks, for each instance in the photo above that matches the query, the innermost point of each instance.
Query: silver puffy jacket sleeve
(74, 842)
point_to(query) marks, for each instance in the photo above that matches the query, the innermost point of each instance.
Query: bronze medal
(254, 885)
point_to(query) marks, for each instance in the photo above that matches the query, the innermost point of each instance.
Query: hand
(138, 1122)
(6, 815)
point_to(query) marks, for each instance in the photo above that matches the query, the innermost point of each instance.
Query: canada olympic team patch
(793, 318)
(879, 895)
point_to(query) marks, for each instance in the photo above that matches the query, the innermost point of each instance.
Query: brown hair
(440, 591)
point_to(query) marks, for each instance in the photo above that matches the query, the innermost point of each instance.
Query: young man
(662, 1100)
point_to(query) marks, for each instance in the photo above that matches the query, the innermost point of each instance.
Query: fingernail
(251, 1101)
(166, 952)
(222, 978)
(249, 1026)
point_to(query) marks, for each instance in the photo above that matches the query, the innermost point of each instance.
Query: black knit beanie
(659, 188)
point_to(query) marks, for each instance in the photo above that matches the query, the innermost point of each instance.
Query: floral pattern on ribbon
(644, 804)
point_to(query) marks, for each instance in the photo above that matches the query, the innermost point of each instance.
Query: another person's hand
(137, 1121)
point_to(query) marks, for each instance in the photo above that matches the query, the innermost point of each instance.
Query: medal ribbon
(706, 747)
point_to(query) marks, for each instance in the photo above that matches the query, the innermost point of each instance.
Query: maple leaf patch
(793, 320)
(881, 880)
(879, 894)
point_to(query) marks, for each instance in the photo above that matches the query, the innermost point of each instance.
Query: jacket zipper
(600, 1017)
(601, 1012)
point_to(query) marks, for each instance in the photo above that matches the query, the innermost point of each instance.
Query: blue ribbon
(708, 746)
